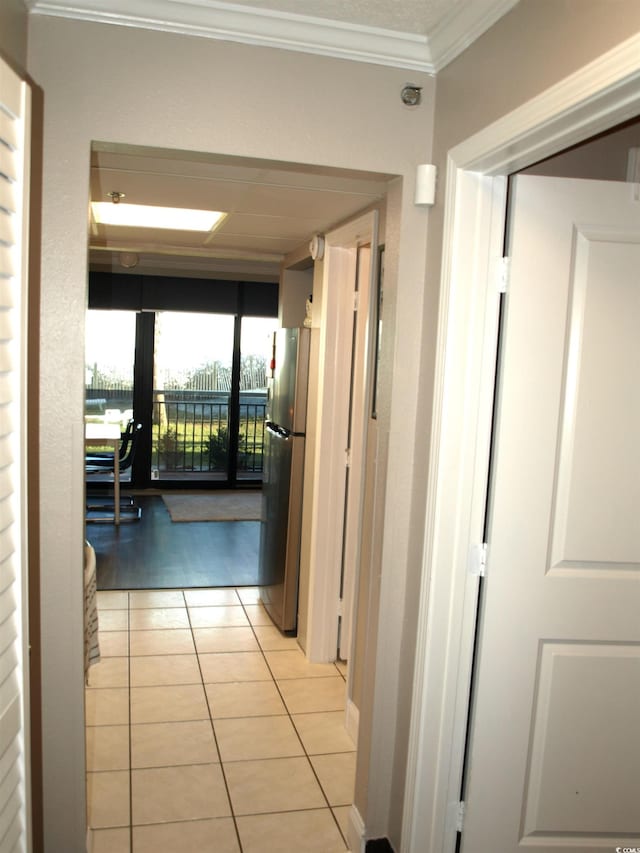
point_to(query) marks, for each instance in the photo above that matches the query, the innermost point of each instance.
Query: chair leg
(127, 515)
(129, 510)
(125, 502)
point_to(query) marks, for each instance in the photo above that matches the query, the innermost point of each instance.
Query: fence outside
(189, 434)
(192, 435)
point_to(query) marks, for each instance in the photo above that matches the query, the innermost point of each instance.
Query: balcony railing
(190, 430)
(190, 433)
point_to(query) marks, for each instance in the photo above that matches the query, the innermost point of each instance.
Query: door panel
(603, 363)
(554, 747)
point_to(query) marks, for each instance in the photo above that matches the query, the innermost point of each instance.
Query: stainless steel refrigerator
(283, 474)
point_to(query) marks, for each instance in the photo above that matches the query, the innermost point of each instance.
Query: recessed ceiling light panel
(150, 216)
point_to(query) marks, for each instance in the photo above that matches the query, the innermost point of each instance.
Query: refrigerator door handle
(281, 432)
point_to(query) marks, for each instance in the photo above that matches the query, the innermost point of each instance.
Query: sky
(186, 341)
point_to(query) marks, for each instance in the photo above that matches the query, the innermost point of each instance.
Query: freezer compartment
(280, 526)
(287, 393)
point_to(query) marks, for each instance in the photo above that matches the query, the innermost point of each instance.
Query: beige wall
(602, 159)
(536, 44)
(156, 89)
(13, 32)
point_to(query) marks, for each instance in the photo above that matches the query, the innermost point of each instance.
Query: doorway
(476, 181)
(566, 542)
(242, 333)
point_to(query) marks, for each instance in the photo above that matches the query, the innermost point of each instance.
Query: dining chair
(99, 464)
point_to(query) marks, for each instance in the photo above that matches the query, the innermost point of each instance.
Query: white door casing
(360, 407)
(597, 96)
(15, 115)
(332, 428)
(554, 747)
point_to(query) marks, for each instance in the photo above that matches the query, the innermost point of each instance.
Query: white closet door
(14, 766)
(554, 748)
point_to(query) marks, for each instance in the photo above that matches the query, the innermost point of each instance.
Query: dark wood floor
(156, 553)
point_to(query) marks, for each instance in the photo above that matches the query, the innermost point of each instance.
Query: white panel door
(554, 746)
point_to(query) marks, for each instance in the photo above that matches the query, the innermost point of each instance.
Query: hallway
(207, 730)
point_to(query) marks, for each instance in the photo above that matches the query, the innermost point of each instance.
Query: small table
(104, 435)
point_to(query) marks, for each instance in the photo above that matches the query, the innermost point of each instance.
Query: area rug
(214, 506)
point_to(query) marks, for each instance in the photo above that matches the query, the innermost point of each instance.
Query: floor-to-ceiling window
(193, 396)
(256, 349)
(195, 379)
(109, 369)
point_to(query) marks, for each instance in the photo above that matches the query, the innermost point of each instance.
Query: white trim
(333, 392)
(22, 490)
(598, 96)
(601, 94)
(305, 33)
(362, 371)
(464, 24)
(355, 832)
(352, 720)
(15, 707)
(249, 25)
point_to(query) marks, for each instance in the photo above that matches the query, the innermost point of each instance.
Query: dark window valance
(162, 293)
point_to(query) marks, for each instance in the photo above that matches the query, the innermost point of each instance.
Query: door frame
(331, 430)
(596, 97)
(362, 369)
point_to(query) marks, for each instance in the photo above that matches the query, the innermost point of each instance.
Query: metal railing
(190, 429)
(191, 435)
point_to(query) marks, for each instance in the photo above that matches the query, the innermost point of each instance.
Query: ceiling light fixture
(114, 212)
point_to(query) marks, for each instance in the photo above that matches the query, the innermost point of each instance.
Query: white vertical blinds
(14, 135)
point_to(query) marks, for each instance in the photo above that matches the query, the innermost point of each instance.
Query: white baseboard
(352, 721)
(355, 831)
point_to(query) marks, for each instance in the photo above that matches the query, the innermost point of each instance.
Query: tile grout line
(130, 723)
(213, 728)
(304, 749)
(211, 721)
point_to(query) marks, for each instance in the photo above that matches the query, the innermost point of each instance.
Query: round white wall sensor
(316, 247)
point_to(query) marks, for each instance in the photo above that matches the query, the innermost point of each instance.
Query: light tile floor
(209, 732)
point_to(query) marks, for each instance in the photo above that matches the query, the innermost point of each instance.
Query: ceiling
(273, 208)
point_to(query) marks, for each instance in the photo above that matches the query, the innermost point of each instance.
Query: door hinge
(460, 816)
(341, 607)
(347, 457)
(504, 274)
(478, 560)
(356, 300)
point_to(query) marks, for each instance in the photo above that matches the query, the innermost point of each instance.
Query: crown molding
(302, 33)
(466, 23)
(263, 27)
